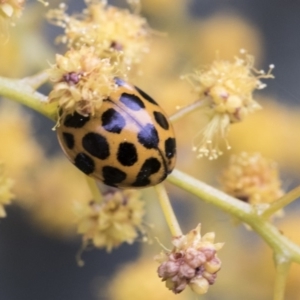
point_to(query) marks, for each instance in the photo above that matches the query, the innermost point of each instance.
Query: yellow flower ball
(271, 131)
(225, 34)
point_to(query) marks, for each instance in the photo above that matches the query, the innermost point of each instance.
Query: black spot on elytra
(127, 154)
(132, 102)
(148, 136)
(113, 121)
(146, 96)
(75, 120)
(112, 176)
(96, 145)
(149, 167)
(161, 120)
(69, 139)
(170, 147)
(84, 163)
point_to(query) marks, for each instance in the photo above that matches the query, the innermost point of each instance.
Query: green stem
(168, 210)
(186, 110)
(20, 91)
(243, 211)
(282, 202)
(282, 269)
(36, 80)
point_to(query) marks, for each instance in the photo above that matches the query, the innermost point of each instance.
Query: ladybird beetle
(128, 143)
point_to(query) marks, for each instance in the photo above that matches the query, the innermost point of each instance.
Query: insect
(128, 143)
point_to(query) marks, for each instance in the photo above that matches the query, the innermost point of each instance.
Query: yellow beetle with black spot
(128, 143)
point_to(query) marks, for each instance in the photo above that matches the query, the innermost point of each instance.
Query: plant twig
(20, 91)
(36, 80)
(168, 210)
(282, 202)
(92, 183)
(282, 269)
(186, 110)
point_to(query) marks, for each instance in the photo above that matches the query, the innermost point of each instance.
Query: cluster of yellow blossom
(252, 178)
(114, 221)
(114, 33)
(82, 80)
(5, 191)
(193, 262)
(103, 42)
(225, 89)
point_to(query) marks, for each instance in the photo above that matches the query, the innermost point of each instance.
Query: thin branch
(282, 269)
(282, 202)
(186, 110)
(20, 91)
(168, 210)
(92, 183)
(36, 80)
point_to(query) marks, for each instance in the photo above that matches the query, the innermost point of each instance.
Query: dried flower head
(10, 9)
(115, 221)
(138, 280)
(5, 191)
(226, 91)
(81, 81)
(193, 262)
(252, 178)
(115, 33)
